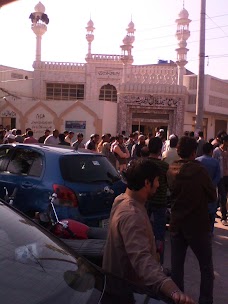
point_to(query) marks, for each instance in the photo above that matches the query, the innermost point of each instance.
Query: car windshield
(88, 169)
(37, 269)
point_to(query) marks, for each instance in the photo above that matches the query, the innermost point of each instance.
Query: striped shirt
(160, 197)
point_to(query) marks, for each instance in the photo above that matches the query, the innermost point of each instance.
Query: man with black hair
(216, 142)
(200, 141)
(191, 134)
(212, 166)
(62, 141)
(130, 251)
(30, 139)
(186, 133)
(191, 191)
(121, 153)
(157, 205)
(52, 139)
(221, 154)
(42, 138)
(18, 137)
(78, 143)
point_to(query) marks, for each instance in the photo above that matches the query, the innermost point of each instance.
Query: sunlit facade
(108, 93)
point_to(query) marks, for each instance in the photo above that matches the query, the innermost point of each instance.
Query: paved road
(220, 256)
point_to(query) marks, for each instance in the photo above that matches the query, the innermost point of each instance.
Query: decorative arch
(97, 121)
(108, 92)
(41, 104)
(10, 105)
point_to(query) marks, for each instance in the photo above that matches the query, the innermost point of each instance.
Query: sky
(154, 21)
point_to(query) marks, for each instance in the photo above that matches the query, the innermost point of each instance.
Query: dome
(39, 8)
(127, 40)
(131, 25)
(183, 14)
(182, 44)
(90, 23)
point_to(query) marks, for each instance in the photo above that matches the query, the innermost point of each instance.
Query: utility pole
(200, 82)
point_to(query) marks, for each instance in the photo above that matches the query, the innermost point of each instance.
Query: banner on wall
(76, 126)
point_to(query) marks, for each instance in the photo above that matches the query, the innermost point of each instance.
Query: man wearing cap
(93, 142)
(10, 139)
(171, 155)
(13, 131)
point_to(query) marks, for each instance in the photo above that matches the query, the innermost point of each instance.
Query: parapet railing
(50, 65)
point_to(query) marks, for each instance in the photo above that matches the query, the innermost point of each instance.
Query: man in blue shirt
(221, 154)
(212, 166)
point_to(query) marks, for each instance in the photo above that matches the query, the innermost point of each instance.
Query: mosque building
(108, 93)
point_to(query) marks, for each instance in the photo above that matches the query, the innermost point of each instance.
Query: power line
(170, 45)
(218, 26)
(174, 24)
(160, 37)
(210, 57)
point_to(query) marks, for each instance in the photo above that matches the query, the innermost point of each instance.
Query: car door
(6, 151)
(24, 172)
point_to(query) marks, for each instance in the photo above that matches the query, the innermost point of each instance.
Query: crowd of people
(122, 149)
(189, 172)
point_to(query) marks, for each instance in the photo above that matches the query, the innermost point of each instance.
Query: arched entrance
(147, 112)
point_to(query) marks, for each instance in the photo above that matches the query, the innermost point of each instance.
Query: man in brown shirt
(191, 192)
(130, 251)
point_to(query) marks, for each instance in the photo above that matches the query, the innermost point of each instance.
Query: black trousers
(222, 191)
(202, 248)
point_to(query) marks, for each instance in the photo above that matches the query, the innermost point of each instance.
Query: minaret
(89, 36)
(182, 35)
(127, 47)
(39, 20)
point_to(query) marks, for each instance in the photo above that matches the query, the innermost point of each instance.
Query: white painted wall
(110, 118)
(32, 110)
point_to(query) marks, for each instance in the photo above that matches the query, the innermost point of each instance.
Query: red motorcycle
(85, 240)
(68, 228)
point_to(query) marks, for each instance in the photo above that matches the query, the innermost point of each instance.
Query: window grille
(108, 92)
(62, 91)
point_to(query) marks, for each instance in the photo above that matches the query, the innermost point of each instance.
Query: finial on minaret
(128, 40)
(89, 36)
(182, 35)
(126, 56)
(39, 26)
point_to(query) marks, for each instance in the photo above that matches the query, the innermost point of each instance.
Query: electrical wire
(163, 46)
(218, 26)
